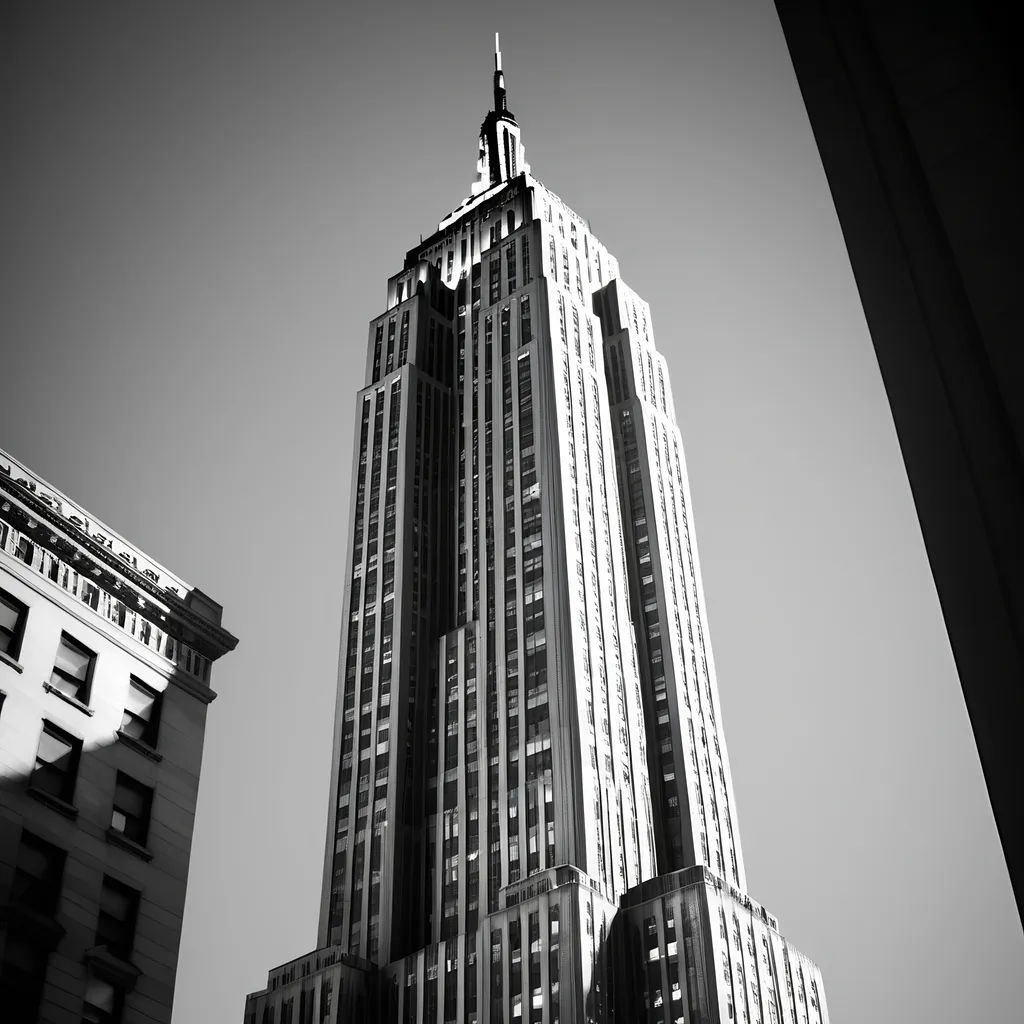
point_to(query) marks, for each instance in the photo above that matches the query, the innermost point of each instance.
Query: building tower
(105, 664)
(528, 724)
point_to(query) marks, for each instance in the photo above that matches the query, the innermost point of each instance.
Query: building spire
(501, 155)
(500, 106)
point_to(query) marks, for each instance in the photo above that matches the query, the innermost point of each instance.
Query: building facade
(528, 726)
(105, 662)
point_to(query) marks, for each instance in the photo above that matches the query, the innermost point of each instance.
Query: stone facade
(105, 662)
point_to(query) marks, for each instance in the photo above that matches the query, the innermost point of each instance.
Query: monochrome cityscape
(531, 804)
(532, 814)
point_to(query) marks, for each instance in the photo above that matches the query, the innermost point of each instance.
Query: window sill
(117, 839)
(73, 701)
(6, 659)
(143, 748)
(60, 806)
(107, 965)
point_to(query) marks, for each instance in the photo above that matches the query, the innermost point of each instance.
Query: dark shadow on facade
(917, 112)
(87, 875)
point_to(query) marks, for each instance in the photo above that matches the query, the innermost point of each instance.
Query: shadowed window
(37, 875)
(103, 1002)
(22, 973)
(56, 763)
(141, 719)
(132, 804)
(119, 907)
(12, 624)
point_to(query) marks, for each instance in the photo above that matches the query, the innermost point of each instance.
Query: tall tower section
(691, 784)
(397, 602)
(532, 816)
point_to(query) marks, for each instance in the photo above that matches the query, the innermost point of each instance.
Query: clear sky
(200, 205)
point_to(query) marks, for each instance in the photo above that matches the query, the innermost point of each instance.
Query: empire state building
(532, 815)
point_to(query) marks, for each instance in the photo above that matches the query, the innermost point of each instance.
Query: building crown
(501, 156)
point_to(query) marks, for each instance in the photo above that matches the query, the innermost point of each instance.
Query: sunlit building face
(532, 815)
(105, 666)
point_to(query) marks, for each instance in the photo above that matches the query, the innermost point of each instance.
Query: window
(56, 763)
(12, 624)
(22, 974)
(119, 907)
(103, 1002)
(72, 671)
(26, 550)
(132, 804)
(141, 719)
(37, 875)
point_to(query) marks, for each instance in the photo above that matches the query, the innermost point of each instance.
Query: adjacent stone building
(105, 663)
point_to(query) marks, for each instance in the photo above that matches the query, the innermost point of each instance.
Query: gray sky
(200, 205)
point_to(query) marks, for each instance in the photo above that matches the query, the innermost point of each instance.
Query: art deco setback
(528, 724)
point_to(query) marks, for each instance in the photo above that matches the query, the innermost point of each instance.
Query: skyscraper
(528, 727)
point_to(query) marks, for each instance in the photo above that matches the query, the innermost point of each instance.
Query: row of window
(73, 671)
(55, 775)
(35, 893)
(84, 589)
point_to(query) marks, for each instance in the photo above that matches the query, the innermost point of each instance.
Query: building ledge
(112, 968)
(73, 701)
(60, 806)
(6, 659)
(44, 930)
(137, 745)
(115, 838)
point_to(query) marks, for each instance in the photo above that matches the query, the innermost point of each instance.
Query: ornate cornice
(218, 641)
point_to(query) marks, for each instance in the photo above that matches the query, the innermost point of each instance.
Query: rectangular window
(22, 973)
(56, 763)
(37, 875)
(72, 670)
(391, 344)
(104, 1002)
(378, 345)
(26, 550)
(132, 805)
(494, 293)
(510, 265)
(141, 718)
(525, 331)
(403, 341)
(119, 908)
(12, 624)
